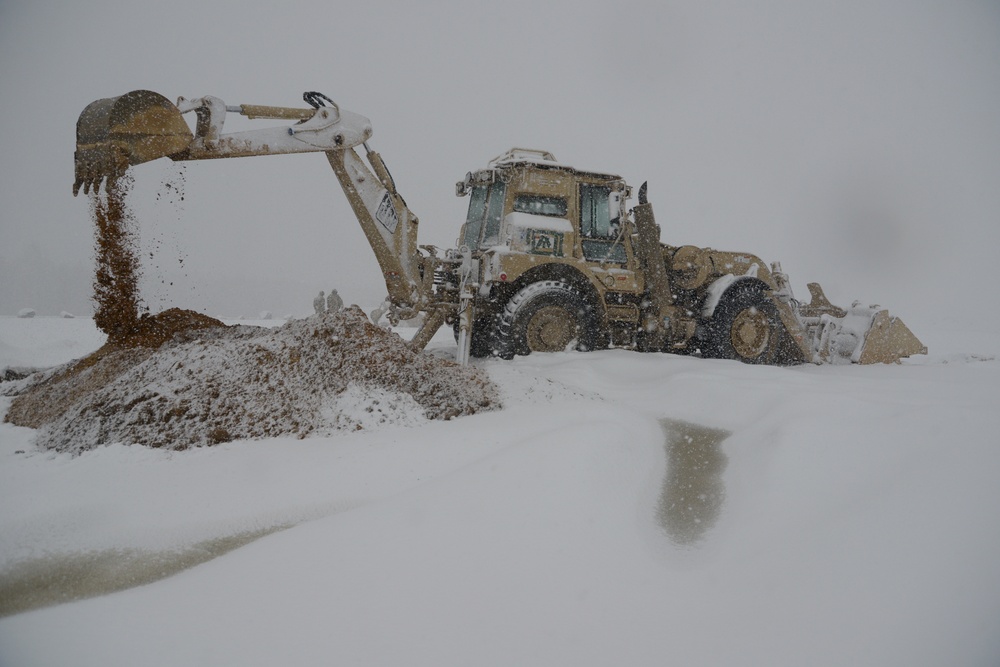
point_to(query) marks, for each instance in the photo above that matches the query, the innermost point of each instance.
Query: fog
(855, 141)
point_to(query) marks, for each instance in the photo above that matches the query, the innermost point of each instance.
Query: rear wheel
(547, 316)
(745, 326)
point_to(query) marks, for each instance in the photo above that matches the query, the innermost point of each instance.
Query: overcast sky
(857, 141)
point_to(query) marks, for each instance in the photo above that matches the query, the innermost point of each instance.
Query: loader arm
(116, 133)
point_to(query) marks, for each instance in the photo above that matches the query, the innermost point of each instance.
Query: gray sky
(857, 141)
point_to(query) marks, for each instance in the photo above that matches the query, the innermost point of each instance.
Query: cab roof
(544, 160)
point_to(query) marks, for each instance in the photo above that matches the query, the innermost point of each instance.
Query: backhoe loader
(549, 258)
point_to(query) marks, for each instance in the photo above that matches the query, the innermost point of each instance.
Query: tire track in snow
(693, 492)
(57, 579)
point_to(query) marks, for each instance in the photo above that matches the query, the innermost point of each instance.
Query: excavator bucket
(115, 133)
(860, 335)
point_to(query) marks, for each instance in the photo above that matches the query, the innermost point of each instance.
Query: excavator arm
(116, 133)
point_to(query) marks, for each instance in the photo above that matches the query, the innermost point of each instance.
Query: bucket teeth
(95, 163)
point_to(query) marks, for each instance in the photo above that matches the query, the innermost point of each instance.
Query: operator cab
(528, 201)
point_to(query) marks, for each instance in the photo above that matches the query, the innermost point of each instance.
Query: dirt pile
(155, 330)
(53, 393)
(211, 385)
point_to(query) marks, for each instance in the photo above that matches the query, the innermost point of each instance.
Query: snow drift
(832, 515)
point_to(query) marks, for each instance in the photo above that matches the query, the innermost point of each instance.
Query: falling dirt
(117, 299)
(164, 272)
(116, 278)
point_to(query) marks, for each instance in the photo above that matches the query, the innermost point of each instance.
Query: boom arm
(389, 225)
(115, 133)
(323, 128)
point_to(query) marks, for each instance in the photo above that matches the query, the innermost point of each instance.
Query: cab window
(599, 225)
(477, 213)
(482, 225)
(595, 216)
(494, 214)
(541, 205)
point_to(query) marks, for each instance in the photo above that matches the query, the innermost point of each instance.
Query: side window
(477, 213)
(494, 214)
(598, 229)
(541, 205)
(485, 213)
(595, 215)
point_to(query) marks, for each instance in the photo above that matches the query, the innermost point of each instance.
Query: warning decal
(386, 214)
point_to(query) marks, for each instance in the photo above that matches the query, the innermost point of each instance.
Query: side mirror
(462, 187)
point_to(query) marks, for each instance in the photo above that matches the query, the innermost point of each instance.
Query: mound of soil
(57, 391)
(213, 384)
(155, 330)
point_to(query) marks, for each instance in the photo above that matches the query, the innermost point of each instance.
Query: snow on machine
(549, 258)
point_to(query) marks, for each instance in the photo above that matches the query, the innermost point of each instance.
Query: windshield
(474, 221)
(482, 226)
(595, 212)
(600, 225)
(494, 213)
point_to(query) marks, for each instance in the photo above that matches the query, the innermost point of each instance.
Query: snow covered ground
(622, 509)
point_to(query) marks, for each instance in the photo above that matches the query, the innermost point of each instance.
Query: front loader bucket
(115, 133)
(888, 341)
(860, 335)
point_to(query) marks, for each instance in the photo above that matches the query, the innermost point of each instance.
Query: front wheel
(547, 316)
(745, 327)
